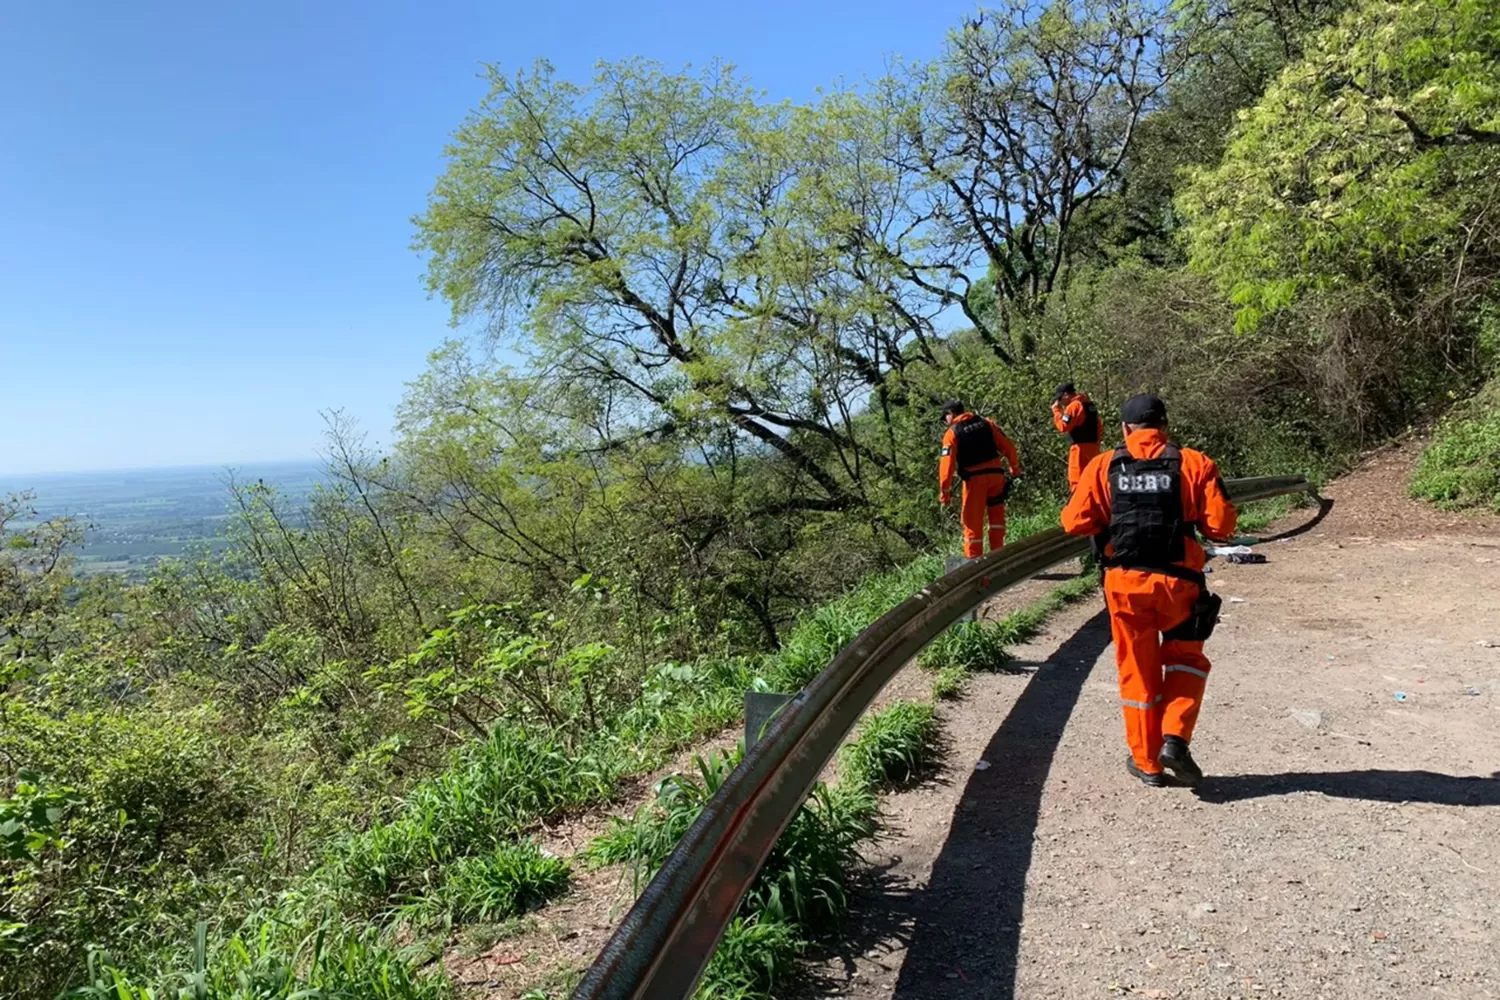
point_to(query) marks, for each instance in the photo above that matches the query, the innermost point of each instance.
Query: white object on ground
(1228, 550)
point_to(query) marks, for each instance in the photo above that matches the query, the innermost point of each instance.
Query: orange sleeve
(947, 462)
(1066, 418)
(1216, 515)
(1007, 448)
(1087, 512)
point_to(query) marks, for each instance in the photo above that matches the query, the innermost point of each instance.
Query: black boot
(1176, 757)
(1156, 780)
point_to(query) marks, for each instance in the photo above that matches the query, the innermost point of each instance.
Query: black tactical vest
(1146, 525)
(975, 444)
(1088, 431)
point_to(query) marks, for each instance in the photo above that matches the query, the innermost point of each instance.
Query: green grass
(269, 959)
(817, 638)
(893, 746)
(972, 646)
(1460, 468)
(949, 683)
(493, 791)
(1261, 514)
(646, 839)
(800, 893)
(756, 951)
(504, 883)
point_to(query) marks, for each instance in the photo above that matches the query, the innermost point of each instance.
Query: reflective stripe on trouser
(981, 503)
(1161, 683)
(1184, 676)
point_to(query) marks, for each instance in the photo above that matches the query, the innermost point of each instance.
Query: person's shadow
(965, 924)
(1376, 786)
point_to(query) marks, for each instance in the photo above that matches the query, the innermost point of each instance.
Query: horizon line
(181, 467)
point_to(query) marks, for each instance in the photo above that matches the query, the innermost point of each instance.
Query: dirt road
(1346, 845)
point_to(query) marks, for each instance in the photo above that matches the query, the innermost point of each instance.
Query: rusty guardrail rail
(661, 948)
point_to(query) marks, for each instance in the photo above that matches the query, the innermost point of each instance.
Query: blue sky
(205, 207)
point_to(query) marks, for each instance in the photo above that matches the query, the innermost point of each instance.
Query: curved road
(1347, 843)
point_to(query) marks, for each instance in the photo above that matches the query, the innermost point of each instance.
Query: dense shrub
(1461, 466)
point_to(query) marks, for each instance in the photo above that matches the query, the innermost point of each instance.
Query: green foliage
(892, 747)
(817, 637)
(981, 645)
(494, 790)
(756, 952)
(29, 818)
(269, 959)
(507, 882)
(646, 839)
(35, 575)
(1460, 467)
(949, 682)
(968, 647)
(1366, 156)
(800, 893)
(143, 821)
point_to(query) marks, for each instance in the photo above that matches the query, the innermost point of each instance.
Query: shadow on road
(1376, 786)
(1325, 507)
(965, 925)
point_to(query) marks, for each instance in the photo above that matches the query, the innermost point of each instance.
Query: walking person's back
(1142, 503)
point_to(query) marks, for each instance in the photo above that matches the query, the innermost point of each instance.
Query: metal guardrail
(661, 948)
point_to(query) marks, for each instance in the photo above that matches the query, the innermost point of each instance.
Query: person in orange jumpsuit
(1075, 415)
(1141, 504)
(976, 451)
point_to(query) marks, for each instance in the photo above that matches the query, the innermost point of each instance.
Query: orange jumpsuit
(984, 487)
(1067, 417)
(1161, 682)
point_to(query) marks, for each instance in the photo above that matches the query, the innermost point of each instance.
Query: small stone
(1207, 908)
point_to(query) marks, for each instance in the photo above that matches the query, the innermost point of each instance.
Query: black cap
(1145, 409)
(1066, 389)
(954, 407)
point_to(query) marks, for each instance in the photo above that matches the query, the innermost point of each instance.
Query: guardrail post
(760, 708)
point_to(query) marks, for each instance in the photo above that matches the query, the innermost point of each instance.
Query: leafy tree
(35, 576)
(626, 229)
(1371, 160)
(1026, 121)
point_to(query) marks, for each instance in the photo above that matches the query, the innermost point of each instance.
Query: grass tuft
(511, 880)
(268, 958)
(967, 647)
(893, 746)
(949, 683)
(645, 839)
(491, 793)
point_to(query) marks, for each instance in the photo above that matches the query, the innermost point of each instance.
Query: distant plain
(133, 517)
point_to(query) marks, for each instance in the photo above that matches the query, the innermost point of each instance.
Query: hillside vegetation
(299, 766)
